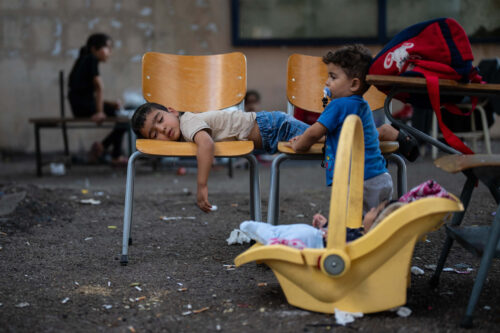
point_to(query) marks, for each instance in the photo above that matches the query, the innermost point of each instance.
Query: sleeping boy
(265, 129)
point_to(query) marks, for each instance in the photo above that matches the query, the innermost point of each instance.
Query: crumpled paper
(343, 317)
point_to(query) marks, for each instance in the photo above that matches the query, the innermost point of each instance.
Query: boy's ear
(355, 85)
(173, 111)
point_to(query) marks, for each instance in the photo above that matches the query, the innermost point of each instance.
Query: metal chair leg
(399, 161)
(273, 206)
(486, 131)
(127, 214)
(255, 206)
(488, 254)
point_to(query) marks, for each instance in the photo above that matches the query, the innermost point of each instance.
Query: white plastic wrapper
(294, 235)
(237, 237)
(417, 270)
(343, 317)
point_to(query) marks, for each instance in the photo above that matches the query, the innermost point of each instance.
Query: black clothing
(82, 98)
(81, 85)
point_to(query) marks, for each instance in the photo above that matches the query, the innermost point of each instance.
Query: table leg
(38, 151)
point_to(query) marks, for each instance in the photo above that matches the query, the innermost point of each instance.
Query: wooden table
(482, 241)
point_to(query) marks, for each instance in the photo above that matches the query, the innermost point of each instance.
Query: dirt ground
(61, 271)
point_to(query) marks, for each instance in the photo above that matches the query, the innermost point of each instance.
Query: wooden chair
(194, 84)
(484, 240)
(474, 133)
(305, 82)
(479, 240)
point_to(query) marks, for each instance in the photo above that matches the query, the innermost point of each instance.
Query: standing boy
(347, 69)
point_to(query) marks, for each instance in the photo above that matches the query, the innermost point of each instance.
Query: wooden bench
(66, 123)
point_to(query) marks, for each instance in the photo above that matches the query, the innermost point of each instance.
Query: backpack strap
(449, 136)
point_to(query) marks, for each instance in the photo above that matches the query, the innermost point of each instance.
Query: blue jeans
(277, 126)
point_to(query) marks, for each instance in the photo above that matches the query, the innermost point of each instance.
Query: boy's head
(347, 69)
(154, 121)
(252, 101)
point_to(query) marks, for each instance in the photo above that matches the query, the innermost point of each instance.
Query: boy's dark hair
(354, 59)
(140, 114)
(253, 92)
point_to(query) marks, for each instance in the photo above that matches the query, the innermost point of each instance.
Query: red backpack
(435, 49)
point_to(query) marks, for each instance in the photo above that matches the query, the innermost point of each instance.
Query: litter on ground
(343, 317)
(237, 237)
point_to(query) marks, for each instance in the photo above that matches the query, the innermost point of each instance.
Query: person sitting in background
(86, 95)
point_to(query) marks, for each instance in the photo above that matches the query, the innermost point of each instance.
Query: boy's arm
(204, 157)
(312, 135)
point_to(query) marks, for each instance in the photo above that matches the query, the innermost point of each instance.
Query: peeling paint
(195, 27)
(181, 52)
(211, 27)
(93, 22)
(204, 44)
(73, 53)
(117, 44)
(58, 31)
(147, 27)
(118, 6)
(146, 11)
(57, 48)
(116, 24)
(136, 58)
(201, 3)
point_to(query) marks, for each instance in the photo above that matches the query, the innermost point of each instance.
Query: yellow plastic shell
(377, 266)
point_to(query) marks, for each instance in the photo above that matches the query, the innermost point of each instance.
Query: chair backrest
(194, 83)
(306, 79)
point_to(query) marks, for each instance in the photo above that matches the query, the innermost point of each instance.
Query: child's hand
(319, 221)
(202, 199)
(295, 138)
(291, 142)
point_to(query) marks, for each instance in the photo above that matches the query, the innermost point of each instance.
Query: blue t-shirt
(333, 118)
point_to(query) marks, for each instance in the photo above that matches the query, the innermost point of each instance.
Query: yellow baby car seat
(369, 274)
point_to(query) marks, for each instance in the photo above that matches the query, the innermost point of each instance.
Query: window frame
(381, 37)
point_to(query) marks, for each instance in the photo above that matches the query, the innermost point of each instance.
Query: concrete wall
(40, 37)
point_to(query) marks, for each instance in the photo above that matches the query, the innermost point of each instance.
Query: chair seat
(315, 149)
(457, 163)
(386, 147)
(474, 238)
(175, 148)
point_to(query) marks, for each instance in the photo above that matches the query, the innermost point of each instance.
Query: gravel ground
(61, 271)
